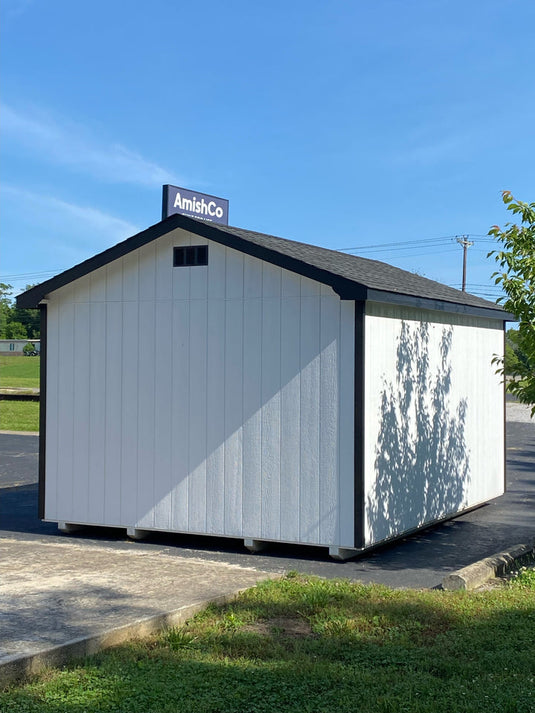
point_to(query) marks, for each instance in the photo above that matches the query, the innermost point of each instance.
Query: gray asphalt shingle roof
(373, 274)
(351, 276)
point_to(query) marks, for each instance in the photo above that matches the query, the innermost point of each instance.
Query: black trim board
(42, 413)
(359, 425)
(504, 418)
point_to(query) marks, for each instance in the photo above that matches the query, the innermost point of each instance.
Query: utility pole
(466, 244)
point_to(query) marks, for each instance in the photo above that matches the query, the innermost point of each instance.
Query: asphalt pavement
(420, 560)
(57, 589)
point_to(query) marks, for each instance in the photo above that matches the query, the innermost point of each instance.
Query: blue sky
(376, 126)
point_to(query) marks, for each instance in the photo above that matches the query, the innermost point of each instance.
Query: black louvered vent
(190, 256)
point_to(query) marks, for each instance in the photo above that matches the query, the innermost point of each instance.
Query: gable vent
(190, 256)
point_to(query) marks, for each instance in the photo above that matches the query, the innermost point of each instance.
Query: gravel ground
(521, 413)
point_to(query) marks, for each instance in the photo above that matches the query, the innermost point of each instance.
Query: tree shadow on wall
(422, 464)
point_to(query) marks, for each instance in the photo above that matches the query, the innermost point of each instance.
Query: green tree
(516, 276)
(16, 330)
(30, 318)
(5, 308)
(516, 358)
(17, 323)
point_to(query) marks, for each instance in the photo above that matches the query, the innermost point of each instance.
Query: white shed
(200, 378)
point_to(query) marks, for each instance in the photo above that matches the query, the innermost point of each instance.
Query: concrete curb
(21, 666)
(475, 575)
(19, 433)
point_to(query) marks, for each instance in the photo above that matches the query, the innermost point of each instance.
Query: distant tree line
(17, 323)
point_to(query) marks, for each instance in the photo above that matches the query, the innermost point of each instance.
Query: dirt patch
(281, 626)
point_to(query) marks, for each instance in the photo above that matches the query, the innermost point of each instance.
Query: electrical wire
(29, 275)
(414, 243)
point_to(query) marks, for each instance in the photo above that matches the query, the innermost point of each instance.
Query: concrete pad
(61, 599)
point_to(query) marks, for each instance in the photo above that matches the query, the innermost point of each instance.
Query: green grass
(19, 416)
(309, 645)
(19, 371)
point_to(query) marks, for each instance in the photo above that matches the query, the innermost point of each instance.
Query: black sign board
(194, 204)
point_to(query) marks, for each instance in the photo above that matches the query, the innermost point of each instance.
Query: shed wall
(213, 399)
(434, 417)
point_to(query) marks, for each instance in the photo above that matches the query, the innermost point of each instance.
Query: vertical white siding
(328, 416)
(97, 407)
(146, 440)
(252, 399)
(163, 415)
(64, 456)
(214, 399)
(112, 385)
(271, 402)
(290, 408)
(81, 405)
(215, 393)
(197, 414)
(129, 413)
(180, 413)
(434, 418)
(310, 411)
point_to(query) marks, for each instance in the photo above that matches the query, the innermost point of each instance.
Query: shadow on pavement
(417, 560)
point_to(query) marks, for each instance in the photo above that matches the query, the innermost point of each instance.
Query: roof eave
(346, 288)
(439, 305)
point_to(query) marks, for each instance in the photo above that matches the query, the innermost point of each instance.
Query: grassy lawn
(19, 416)
(20, 372)
(309, 645)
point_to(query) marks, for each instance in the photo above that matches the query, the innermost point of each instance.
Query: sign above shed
(196, 205)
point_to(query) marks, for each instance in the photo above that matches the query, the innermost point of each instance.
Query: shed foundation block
(341, 553)
(134, 534)
(68, 527)
(255, 545)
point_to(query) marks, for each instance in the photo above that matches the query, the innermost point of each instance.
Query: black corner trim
(359, 424)
(504, 415)
(42, 414)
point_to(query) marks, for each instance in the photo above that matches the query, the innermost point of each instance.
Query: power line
(427, 252)
(397, 243)
(29, 275)
(414, 243)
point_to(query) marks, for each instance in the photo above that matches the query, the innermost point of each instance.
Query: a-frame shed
(206, 379)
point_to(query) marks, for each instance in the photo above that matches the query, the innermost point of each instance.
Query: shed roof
(350, 276)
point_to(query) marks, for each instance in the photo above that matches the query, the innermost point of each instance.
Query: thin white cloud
(92, 227)
(69, 145)
(14, 8)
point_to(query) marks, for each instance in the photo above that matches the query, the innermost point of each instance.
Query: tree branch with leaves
(516, 277)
